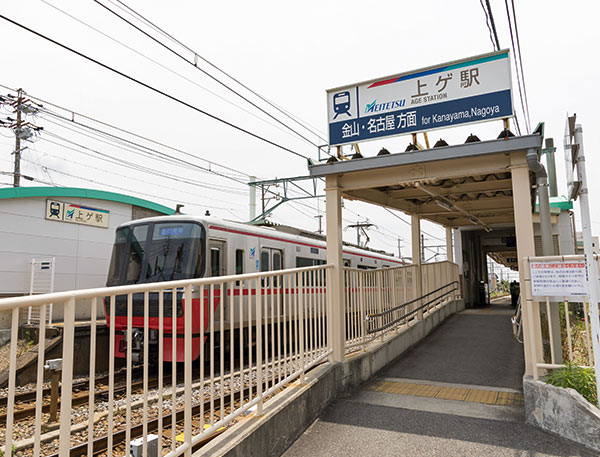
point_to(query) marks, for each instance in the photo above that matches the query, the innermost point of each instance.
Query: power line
(294, 118)
(217, 80)
(120, 129)
(144, 152)
(130, 165)
(517, 53)
(487, 22)
(489, 10)
(154, 89)
(130, 190)
(170, 70)
(111, 172)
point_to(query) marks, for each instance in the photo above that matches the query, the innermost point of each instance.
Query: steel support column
(532, 333)
(415, 224)
(335, 277)
(449, 251)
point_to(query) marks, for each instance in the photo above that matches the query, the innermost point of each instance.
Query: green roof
(27, 192)
(559, 203)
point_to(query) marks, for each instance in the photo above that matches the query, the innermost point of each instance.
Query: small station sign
(76, 214)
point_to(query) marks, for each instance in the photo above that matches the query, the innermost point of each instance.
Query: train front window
(175, 251)
(155, 252)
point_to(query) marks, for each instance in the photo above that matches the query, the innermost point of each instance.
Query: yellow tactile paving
(488, 397)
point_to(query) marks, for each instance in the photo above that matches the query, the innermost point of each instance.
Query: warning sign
(558, 279)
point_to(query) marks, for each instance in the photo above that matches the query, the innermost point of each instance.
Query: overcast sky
(290, 55)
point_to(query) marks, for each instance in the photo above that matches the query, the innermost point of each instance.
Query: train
(178, 247)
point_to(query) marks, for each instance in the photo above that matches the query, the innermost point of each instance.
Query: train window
(117, 259)
(306, 262)
(239, 261)
(276, 260)
(136, 253)
(264, 261)
(174, 251)
(215, 261)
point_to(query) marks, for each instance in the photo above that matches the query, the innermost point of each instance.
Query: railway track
(25, 401)
(100, 445)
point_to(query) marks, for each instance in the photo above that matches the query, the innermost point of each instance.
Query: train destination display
(471, 90)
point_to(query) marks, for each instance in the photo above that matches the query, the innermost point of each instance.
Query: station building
(60, 238)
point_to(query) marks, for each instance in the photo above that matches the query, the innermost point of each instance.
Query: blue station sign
(471, 90)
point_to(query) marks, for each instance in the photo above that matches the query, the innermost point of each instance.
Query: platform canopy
(455, 186)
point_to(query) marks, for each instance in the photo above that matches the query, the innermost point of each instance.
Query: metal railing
(377, 301)
(250, 335)
(574, 342)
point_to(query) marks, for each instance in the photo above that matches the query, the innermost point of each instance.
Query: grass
(583, 380)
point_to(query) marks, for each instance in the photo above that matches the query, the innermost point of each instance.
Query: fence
(378, 301)
(263, 330)
(574, 341)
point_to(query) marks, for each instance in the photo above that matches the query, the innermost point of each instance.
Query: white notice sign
(558, 279)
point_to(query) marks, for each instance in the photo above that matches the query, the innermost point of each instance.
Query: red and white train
(179, 247)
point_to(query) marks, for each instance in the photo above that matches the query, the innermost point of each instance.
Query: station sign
(559, 279)
(76, 214)
(466, 91)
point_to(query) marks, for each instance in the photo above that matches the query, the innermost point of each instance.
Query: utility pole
(422, 248)
(399, 247)
(23, 130)
(17, 174)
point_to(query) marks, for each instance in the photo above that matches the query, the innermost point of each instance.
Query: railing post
(67, 377)
(302, 327)
(335, 276)
(12, 374)
(188, 313)
(259, 346)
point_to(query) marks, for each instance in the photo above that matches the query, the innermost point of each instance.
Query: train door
(272, 260)
(218, 267)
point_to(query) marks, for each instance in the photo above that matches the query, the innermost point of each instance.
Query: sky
(290, 54)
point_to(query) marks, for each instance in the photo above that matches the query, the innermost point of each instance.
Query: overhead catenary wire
(217, 80)
(132, 166)
(112, 172)
(143, 152)
(122, 130)
(154, 196)
(170, 70)
(154, 89)
(294, 118)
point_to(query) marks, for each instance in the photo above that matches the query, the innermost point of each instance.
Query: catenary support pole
(592, 267)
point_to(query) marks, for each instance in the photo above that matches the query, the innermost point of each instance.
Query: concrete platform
(457, 393)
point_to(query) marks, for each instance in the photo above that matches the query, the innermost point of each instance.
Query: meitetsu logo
(375, 107)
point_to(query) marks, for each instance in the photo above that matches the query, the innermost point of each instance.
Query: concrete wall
(561, 411)
(290, 413)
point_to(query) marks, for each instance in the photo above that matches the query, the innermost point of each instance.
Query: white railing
(573, 343)
(379, 301)
(252, 334)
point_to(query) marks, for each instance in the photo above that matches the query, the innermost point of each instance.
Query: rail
(251, 335)
(393, 297)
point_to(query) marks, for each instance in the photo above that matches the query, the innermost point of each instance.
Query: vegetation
(583, 380)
